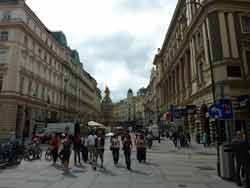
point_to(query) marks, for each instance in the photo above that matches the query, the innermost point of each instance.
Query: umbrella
(94, 124)
(110, 134)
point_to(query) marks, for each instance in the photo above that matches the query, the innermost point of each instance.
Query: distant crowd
(90, 149)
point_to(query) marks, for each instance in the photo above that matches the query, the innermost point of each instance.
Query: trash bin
(226, 161)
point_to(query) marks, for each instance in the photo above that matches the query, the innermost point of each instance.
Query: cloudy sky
(116, 39)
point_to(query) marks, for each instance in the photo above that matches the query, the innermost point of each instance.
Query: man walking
(241, 152)
(115, 147)
(127, 146)
(91, 146)
(99, 148)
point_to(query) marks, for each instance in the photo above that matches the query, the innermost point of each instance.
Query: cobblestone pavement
(167, 167)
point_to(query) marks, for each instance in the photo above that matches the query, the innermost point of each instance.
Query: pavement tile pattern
(167, 167)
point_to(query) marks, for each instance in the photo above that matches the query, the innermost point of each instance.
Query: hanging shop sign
(191, 109)
(222, 109)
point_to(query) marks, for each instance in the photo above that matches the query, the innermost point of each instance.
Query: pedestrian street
(166, 167)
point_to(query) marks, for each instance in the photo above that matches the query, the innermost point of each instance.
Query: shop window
(245, 24)
(233, 71)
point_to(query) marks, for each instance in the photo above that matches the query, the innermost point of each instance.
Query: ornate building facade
(41, 79)
(205, 57)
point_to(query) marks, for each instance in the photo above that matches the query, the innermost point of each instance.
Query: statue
(107, 98)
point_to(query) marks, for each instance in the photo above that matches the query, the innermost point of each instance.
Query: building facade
(41, 79)
(130, 111)
(204, 58)
(151, 101)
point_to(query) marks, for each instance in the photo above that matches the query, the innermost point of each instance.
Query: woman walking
(127, 146)
(66, 150)
(84, 149)
(115, 147)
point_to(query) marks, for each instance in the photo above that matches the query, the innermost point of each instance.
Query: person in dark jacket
(84, 149)
(67, 142)
(77, 149)
(99, 145)
(127, 147)
(240, 149)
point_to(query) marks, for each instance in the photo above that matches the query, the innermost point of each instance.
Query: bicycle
(48, 154)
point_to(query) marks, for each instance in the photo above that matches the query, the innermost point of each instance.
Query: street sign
(244, 101)
(222, 109)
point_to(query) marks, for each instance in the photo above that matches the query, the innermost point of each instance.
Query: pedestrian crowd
(180, 139)
(90, 149)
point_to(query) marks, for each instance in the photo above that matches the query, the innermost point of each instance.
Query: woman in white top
(115, 148)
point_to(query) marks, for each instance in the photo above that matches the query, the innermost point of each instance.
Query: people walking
(84, 149)
(99, 148)
(127, 146)
(66, 150)
(91, 146)
(77, 148)
(55, 142)
(141, 148)
(115, 148)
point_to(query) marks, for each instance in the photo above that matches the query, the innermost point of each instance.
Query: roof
(60, 37)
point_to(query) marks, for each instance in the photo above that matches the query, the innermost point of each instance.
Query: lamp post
(199, 5)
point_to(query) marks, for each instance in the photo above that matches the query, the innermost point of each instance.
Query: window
(245, 21)
(200, 72)
(39, 52)
(25, 41)
(233, 71)
(21, 85)
(4, 36)
(6, 16)
(1, 83)
(3, 56)
(43, 93)
(29, 87)
(45, 57)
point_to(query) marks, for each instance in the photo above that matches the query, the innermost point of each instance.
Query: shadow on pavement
(69, 175)
(152, 164)
(140, 172)
(106, 171)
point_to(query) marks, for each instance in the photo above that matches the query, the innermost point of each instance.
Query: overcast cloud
(116, 39)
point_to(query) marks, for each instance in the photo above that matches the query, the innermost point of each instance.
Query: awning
(95, 124)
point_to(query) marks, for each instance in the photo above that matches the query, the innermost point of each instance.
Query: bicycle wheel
(48, 156)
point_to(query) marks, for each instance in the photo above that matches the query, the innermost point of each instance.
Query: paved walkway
(167, 167)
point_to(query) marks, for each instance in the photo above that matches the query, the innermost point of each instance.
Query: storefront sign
(222, 109)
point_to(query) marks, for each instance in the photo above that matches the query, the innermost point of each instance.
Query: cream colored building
(130, 110)
(151, 101)
(41, 78)
(206, 46)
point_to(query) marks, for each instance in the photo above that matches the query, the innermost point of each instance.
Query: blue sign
(179, 113)
(222, 109)
(244, 101)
